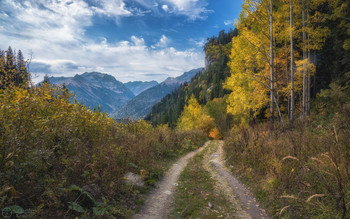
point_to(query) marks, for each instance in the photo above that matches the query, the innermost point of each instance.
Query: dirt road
(158, 203)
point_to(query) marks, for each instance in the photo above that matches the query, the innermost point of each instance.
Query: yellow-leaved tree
(194, 117)
(249, 64)
(271, 58)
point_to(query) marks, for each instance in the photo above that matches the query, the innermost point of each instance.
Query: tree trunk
(279, 111)
(272, 113)
(305, 89)
(276, 91)
(287, 80)
(308, 103)
(292, 101)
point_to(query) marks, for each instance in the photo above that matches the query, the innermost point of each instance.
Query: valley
(261, 130)
(132, 100)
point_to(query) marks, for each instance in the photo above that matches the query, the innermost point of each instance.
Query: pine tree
(10, 61)
(13, 70)
(46, 79)
(2, 69)
(22, 76)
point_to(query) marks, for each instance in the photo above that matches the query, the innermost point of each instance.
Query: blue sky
(129, 39)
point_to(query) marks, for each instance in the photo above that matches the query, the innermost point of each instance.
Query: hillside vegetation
(206, 88)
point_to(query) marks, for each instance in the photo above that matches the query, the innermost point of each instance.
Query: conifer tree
(2, 69)
(22, 76)
(13, 69)
(46, 79)
(10, 61)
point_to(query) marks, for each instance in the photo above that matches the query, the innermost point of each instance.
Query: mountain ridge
(96, 89)
(138, 87)
(142, 104)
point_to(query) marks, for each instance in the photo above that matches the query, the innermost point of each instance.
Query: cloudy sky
(130, 39)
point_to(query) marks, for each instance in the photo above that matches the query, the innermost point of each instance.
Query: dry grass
(305, 168)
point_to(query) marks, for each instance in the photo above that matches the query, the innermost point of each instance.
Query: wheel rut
(246, 205)
(158, 203)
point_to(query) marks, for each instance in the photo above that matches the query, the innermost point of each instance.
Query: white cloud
(132, 60)
(55, 33)
(126, 60)
(112, 8)
(138, 41)
(135, 57)
(148, 3)
(193, 9)
(163, 42)
(59, 21)
(2, 13)
(139, 12)
(99, 69)
(165, 8)
(229, 22)
(182, 4)
(198, 42)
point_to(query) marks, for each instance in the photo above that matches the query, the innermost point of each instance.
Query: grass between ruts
(196, 195)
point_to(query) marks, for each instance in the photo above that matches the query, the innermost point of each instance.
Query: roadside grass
(196, 195)
(300, 172)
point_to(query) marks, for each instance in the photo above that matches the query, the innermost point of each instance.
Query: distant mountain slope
(138, 87)
(142, 104)
(94, 89)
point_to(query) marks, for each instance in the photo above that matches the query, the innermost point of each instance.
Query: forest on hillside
(276, 89)
(205, 86)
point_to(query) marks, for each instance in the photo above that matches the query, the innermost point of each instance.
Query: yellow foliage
(248, 78)
(250, 58)
(189, 117)
(194, 117)
(48, 144)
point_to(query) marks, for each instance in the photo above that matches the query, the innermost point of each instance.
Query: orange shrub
(215, 134)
